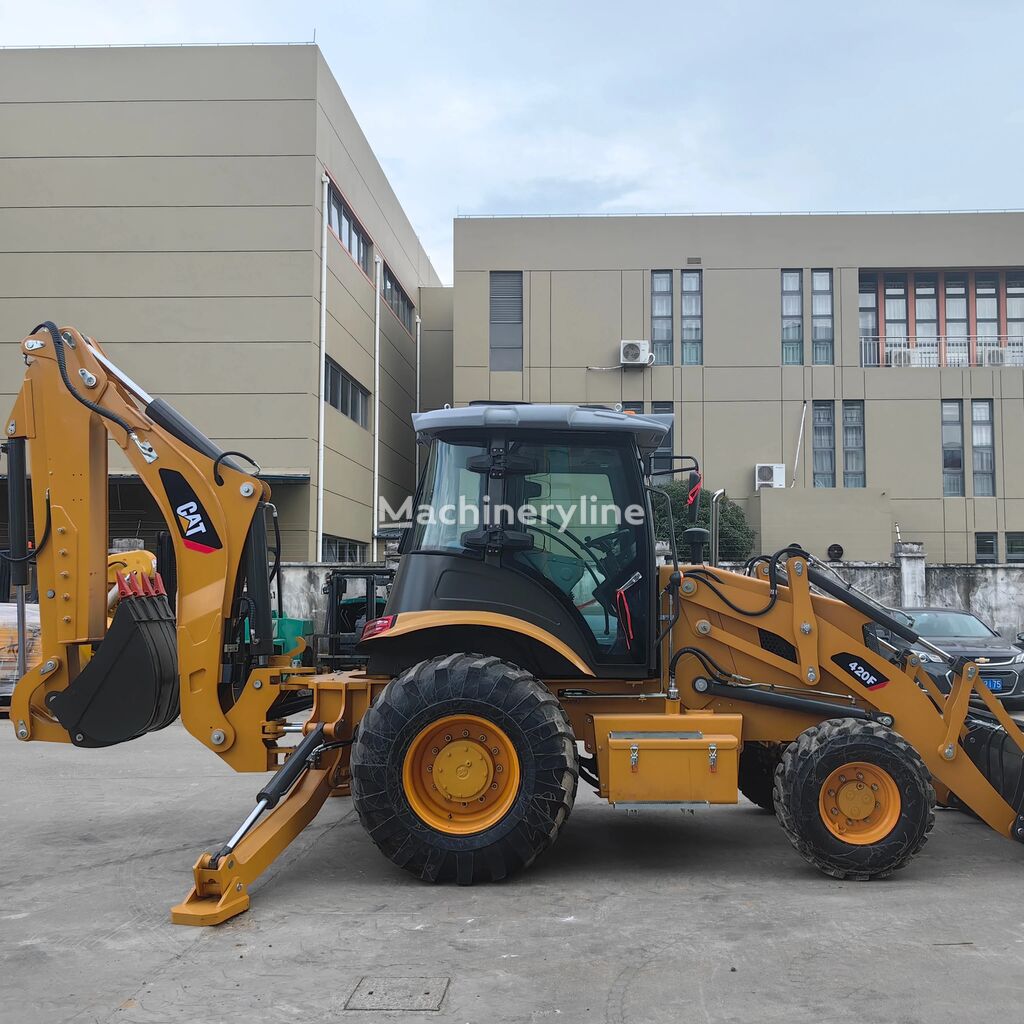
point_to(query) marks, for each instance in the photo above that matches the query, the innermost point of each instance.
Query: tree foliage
(735, 538)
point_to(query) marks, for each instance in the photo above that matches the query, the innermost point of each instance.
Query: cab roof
(648, 431)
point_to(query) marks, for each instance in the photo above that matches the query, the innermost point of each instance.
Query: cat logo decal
(197, 532)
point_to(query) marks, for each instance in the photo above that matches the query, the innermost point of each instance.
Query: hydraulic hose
(58, 350)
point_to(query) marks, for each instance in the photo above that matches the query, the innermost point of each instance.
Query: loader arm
(787, 646)
(71, 400)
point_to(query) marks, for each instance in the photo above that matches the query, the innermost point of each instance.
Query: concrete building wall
(436, 306)
(587, 285)
(167, 201)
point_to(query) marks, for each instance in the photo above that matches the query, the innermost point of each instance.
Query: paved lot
(664, 917)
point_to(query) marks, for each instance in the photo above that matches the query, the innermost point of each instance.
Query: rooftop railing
(930, 352)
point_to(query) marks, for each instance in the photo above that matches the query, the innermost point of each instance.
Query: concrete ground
(664, 917)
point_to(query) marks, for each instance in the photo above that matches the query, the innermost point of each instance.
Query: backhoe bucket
(130, 685)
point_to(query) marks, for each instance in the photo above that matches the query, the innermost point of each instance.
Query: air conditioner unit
(993, 356)
(769, 474)
(899, 357)
(635, 353)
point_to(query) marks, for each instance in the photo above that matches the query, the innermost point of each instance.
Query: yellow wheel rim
(461, 775)
(860, 803)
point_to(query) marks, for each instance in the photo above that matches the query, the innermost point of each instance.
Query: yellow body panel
(411, 622)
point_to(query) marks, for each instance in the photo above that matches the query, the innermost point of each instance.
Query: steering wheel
(608, 543)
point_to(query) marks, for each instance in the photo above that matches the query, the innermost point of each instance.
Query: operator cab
(539, 513)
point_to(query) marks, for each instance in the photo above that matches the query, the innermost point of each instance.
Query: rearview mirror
(508, 540)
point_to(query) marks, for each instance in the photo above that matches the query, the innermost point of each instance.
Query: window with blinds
(400, 303)
(854, 469)
(792, 318)
(506, 336)
(983, 448)
(824, 444)
(953, 449)
(693, 317)
(661, 316)
(341, 549)
(347, 395)
(822, 318)
(344, 224)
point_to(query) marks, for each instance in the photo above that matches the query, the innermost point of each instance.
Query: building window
(822, 319)
(1015, 318)
(926, 320)
(662, 458)
(958, 347)
(400, 303)
(953, 449)
(346, 394)
(693, 318)
(986, 309)
(824, 444)
(341, 549)
(867, 303)
(637, 408)
(792, 318)
(506, 320)
(661, 316)
(896, 347)
(349, 231)
(983, 448)
(1015, 547)
(985, 549)
(854, 470)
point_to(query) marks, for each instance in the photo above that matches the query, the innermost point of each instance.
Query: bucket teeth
(124, 588)
(158, 585)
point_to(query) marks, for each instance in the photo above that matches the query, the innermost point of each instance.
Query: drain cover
(398, 994)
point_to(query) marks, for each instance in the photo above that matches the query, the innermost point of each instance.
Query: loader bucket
(130, 685)
(999, 759)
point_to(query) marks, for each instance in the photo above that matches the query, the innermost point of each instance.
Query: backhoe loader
(531, 640)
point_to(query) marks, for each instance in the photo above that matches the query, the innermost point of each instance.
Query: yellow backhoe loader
(529, 619)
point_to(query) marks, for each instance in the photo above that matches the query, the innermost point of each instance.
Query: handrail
(943, 350)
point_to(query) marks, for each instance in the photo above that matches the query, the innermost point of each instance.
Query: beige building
(879, 359)
(168, 201)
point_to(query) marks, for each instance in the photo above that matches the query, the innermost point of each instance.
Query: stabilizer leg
(221, 880)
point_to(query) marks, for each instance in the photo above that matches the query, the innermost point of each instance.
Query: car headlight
(1018, 659)
(927, 656)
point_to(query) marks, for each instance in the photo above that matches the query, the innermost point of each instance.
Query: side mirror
(1020, 640)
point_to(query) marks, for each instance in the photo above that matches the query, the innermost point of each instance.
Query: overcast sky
(527, 107)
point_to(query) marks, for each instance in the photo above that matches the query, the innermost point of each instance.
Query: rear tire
(758, 762)
(855, 799)
(503, 798)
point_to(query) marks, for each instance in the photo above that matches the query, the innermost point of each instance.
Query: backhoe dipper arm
(72, 398)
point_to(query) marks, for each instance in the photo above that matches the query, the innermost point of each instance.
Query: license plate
(995, 685)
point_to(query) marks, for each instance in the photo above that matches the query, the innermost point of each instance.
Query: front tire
(854, 798)
(464, 769)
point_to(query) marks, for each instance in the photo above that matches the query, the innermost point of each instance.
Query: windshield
(450, 497)
(950, 624)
